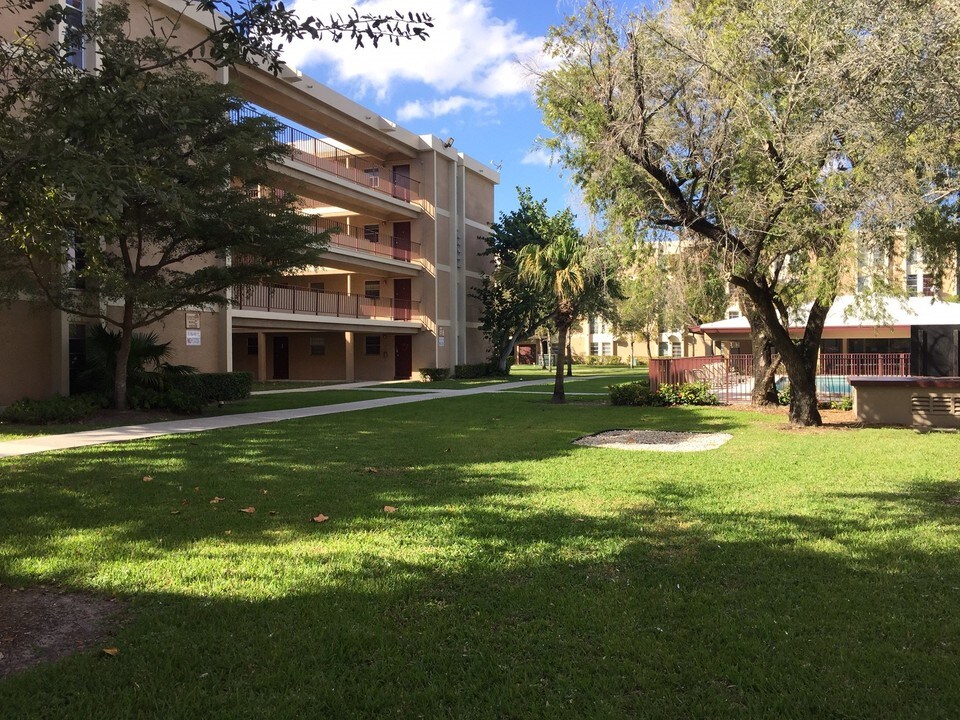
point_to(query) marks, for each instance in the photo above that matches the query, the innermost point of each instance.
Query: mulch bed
(44, 624)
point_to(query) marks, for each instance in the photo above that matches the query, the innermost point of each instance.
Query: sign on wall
(193, 320)
(193, 338)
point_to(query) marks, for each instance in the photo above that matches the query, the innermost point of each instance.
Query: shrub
(57, 409)
(783, 393)
(844, 403)
(698, 393)
(632, 393)
(477, 370)
(434, 374)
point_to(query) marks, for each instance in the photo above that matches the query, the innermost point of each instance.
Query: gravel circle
(659, 440)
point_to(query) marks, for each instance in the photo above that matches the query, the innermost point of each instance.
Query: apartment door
(401, 241)
(403, 357)
(401, 299)
(401, 182)
(281, 357)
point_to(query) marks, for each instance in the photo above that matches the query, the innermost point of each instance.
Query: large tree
(576, 276)
(512, 307)
(139, 197)
(733, 121)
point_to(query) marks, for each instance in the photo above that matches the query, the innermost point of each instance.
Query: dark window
(77, 261)
(371, 288)
(318, 345)
(73, 20)
(318, 286)
(831, 346)
(77, 354)
(371, 233)
(372, 345)
(253, 345)
(373, 176)
(911, 284)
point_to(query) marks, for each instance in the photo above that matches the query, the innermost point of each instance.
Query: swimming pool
(826, 385)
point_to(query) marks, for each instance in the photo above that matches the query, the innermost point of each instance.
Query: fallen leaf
(320, 518)
(265, 492)
(148, 478)
(372, 470)
(389, 509)
(217, 499)
(112, 652)
(229, 532)
(272, 512)
(248, 510)
(174, 512)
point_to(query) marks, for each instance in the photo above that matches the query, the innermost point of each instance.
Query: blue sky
(467, 82)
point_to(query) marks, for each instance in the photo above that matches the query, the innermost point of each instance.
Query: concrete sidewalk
(46, 443)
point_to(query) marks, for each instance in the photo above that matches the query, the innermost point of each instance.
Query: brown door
(401, 299)
(401, 182)
(281, 358)
(403, 357)
(401, 241)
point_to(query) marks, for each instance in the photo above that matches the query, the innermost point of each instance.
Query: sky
(467, 81)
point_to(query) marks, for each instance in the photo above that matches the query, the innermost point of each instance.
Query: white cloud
(469, 51)
(540, 156)
(418, 109)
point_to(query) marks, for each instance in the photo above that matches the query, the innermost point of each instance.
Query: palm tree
(571, 273)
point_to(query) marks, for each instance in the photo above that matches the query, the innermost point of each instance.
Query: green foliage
(477, 370)
(697, 393)
(434, 374)
(214, 387)
(844, 403)
(633, 393)
(603, 360)
(57, 409)
(784, 393)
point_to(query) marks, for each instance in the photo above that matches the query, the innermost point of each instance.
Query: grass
(260, 385)
(796, 574)
(256, 403)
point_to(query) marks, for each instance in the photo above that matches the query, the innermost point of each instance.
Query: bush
(603, 360)
(57, 409)
(844, 403)
(698, 393)
(434, 374)
(477, 370)
(632, 393)
(783, 393)
(210, 387)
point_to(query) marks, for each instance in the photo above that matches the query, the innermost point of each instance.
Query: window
(606, 349)
(372, 345)
(831, 346)
(318, 286)
(253, 345)
(371, 288)
(318, 345)
(371, 233)
(594, 348)
(594, 327)
(733, 314)
(373, 177)
(664, 349)
(676, 350)
(77, 357)
(928, 288)
(76, 261)
(73, 20)
(911, 284)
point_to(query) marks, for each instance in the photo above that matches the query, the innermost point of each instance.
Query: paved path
(45, 443)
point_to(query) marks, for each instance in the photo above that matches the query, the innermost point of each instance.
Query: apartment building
(406, 215)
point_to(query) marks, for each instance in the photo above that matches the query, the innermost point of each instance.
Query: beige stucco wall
(26, 354)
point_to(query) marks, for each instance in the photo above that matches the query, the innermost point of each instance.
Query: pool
(826, 385)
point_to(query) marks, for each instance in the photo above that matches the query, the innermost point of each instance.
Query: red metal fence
(350, 166)
(731, 378)
(304, 301)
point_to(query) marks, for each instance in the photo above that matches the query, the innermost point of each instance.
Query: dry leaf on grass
(217, 499)
(372, 470)
(111, 651)
(174, 512)
(148, 478)
(248, 510)
(271, 513)
(389, 509)
(320, 518)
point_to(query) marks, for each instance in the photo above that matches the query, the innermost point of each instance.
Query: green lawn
(260, 385)
(789, 574)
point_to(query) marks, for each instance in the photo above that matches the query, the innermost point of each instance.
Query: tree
(512, 307)
(643, 308)
(139, 196)
(735, 122)
(572, 274)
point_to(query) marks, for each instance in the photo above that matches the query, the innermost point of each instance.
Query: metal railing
(304, 301)
(322, 155)
(731, 378)
(354, 238)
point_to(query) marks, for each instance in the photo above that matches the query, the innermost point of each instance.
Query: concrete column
(349, 369)
(225, 322)
(261, 356)
(59, 353)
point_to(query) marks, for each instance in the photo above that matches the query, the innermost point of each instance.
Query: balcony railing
(847, 364)
(350, 166)
(354, 238)
(304, 301)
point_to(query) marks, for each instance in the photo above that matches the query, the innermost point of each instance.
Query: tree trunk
(765, 360)
(507, 352)
(649, 351)
(802, 371)
(123, 358)
(569, 358)
(558, 395)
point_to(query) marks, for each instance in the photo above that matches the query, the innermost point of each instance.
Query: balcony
(354, 168)
(304, 301)
(353, 238)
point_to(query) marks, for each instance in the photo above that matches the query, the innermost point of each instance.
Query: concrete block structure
(406, 215)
